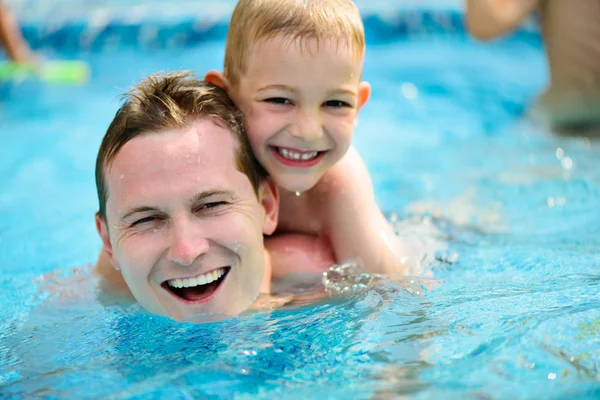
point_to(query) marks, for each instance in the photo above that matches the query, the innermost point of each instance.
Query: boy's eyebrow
(291, 89)
(196, 199)
(287, 88)
(341, 91)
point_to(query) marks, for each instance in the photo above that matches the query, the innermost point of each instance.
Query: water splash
(347, 277)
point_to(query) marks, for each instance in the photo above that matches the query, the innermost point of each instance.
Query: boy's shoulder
(348, 177)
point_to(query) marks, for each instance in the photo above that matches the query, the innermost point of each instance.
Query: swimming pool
(515, 316)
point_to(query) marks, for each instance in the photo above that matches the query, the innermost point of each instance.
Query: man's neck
(265, 285)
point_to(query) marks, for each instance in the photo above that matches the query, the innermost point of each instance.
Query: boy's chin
(298, 186)
(297, 182)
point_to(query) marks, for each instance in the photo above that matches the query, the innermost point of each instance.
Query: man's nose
(307, 126)
(187, 243)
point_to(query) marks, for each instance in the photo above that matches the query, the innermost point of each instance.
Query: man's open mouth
(197, 289)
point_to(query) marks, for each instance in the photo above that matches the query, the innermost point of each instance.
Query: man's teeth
(294, 155)
(198, 280)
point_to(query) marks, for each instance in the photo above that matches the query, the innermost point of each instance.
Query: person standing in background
(11, 39)
(571, 33)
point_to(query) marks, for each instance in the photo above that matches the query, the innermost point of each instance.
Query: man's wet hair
(168, 101)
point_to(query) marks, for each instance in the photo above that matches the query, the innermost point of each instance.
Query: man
(183, 203)
(571, 34)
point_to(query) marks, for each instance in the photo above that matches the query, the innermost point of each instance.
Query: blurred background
(454, 157)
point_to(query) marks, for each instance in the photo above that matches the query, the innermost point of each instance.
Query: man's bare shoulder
(81, 285)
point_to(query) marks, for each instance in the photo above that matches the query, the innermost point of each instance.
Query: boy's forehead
(287, 56)
(281, 45)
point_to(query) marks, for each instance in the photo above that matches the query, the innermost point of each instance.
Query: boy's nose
(187, 244)
(307, 127)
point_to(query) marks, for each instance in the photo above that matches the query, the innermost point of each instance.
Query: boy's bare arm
(354, 223)
(486, 19)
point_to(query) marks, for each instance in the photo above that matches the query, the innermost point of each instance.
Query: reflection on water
(58, 347)
(481, 323)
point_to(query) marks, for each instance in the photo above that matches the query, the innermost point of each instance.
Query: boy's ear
(364, 92)
(104, 235)
(268, 196)
(217, 78)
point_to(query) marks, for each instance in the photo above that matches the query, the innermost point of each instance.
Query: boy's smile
(296, 158)
(301, 100)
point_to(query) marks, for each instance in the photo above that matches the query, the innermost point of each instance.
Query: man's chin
(212, 311)
(207, 318)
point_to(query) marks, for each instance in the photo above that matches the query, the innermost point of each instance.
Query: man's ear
(217, 78)
(268, 196)
(102, 229)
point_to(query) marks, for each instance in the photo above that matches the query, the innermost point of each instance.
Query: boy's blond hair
(256, 20)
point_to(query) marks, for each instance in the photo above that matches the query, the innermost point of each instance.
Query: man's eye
(144, 220)
(212, 205)
(278, 100)
(336, 104)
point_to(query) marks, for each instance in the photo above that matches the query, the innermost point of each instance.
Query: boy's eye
(278, 100)
(336, 103)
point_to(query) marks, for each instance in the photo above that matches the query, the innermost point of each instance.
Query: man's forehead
(201, 154)
(201, 138)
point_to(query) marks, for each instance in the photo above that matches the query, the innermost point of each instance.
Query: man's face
(184, 225)
(301, 103)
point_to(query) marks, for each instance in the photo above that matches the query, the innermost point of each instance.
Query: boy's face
(186, 227)
(301, 104)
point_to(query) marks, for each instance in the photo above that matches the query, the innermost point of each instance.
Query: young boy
(571, 31)
(294, 68)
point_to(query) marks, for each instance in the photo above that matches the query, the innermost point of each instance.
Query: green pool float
(70, 72)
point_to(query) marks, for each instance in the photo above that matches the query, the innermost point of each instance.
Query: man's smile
(197, 289)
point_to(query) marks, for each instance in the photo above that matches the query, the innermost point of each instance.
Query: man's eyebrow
(196, 199)
(137, 210)
(210, 193)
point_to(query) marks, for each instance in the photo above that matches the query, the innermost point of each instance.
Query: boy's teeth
(294, 155)
(197, 280)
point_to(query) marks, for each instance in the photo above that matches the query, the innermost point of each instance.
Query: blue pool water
(513, 211)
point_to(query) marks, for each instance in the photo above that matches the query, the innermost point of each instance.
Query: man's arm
(356, 226)
(486, 19)
(11, 39)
